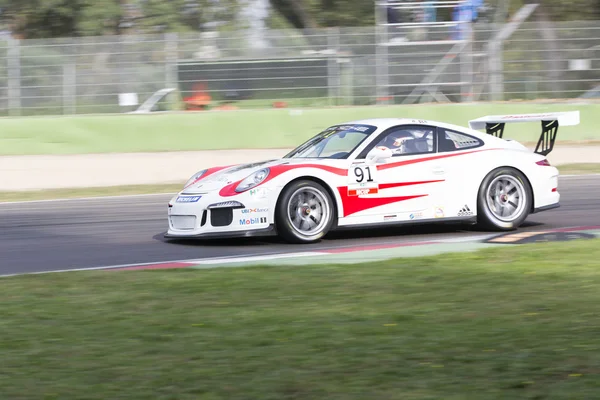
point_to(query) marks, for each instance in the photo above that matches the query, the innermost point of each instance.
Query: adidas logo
(465, 211)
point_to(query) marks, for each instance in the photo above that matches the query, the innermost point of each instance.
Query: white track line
(213, 260)
(231, 260)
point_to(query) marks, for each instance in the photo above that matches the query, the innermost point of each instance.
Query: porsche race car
(374, 172)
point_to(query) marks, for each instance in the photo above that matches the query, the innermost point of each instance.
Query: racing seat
(445, 144)
(417, 146)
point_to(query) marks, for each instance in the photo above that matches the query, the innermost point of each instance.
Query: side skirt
(430, 221)
(546, 208)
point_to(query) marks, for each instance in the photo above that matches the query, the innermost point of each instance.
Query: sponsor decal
(389, 217)
(259, 192)
(252, 221)
(416, 215)
(187, 199)
(465, 211)
(357, 128)
(362, 192)
(254, 210)
(438, 212)
(524, 116)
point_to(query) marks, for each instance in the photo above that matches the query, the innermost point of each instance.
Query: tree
(306, 14)
(185, 15)
(33, 19)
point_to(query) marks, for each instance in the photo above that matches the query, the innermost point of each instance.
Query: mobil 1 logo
(253, 221)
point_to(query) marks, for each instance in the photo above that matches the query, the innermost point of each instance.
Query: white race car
(375, 172)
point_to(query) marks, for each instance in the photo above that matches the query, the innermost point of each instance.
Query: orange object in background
(200, 100)
(280, 104)
(226, 107)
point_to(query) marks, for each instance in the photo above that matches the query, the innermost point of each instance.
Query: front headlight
(195, 177)
(253, 180)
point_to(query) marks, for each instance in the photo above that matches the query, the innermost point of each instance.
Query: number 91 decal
(362, 173)
(362, 180)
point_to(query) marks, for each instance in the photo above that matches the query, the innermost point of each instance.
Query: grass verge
(579, 168)
(250, 129)
(88, 192)
(506, 323)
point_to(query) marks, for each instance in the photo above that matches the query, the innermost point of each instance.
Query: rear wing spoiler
(494, 125)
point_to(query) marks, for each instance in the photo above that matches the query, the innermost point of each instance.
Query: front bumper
(208, 215)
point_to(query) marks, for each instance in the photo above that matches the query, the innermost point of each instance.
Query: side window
(409, 140)
(455, 141)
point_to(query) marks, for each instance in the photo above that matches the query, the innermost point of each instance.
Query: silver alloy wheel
(506, 198)
(308, 211)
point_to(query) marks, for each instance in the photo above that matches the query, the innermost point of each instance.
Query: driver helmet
(397, 141)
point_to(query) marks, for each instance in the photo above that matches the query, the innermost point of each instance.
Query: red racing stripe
(354, 204)
(400, 184)
(277, 170)
(420, 160)
(210, 171)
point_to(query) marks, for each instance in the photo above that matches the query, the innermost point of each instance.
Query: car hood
(238, 172)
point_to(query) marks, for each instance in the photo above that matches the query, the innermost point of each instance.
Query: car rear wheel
(304, 213)
(504, 199)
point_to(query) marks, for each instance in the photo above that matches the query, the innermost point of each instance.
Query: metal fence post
(171, 52)
(381, 66)
(495, 69)
(14, 77)
(69, 88)
(333, 67)
(466, 67)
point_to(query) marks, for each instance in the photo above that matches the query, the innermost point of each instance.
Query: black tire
(488, 214)
(290, 212)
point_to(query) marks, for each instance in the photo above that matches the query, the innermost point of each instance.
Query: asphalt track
(86, 233)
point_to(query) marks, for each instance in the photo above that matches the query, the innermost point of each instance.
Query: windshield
(338, 141)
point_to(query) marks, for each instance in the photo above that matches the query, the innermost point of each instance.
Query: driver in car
(398, 141)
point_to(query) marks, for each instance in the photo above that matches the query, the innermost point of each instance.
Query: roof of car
(385, 123)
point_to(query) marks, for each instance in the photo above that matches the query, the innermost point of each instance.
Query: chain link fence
(333, 66)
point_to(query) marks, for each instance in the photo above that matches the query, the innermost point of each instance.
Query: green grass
(274, 128)
(579, 168)
(88, 192)
(508, 323)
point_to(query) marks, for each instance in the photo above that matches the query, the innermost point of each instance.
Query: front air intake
(221, 216)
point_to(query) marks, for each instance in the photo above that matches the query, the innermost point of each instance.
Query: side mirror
(379, 154)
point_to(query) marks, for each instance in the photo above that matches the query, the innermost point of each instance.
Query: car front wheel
(304, 213)
(504, 199)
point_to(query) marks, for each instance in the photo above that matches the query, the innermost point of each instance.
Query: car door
(457, 152)
(405, 186)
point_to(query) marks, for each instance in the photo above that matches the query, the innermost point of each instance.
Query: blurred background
(107, 56)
